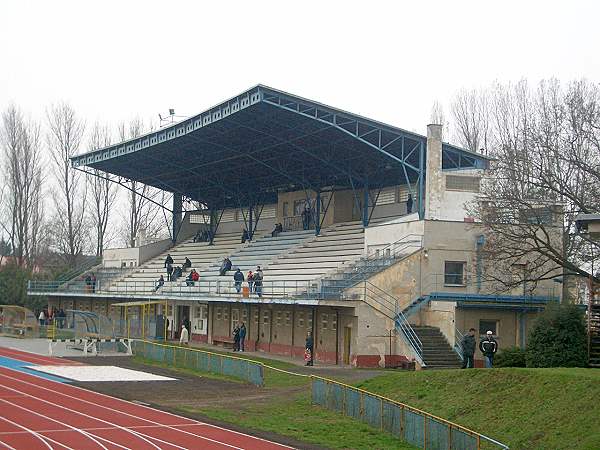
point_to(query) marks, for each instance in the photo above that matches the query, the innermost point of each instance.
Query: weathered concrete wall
(434, 178)
(121, 257)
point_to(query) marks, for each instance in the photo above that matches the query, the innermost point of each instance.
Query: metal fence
(412, 425)
(204, 361)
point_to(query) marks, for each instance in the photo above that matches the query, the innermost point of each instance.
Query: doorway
(183, 313)
(347, 340)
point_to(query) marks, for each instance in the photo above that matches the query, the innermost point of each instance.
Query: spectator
(177, 272)
(184, 339)
(42, 317)
(245, 236)
(258, 281)
(93, 282)
(468, 349)
(306, 217)
(238, 278)
(409, 204)
(160, 283)
(242, 336)
(250, 280)
(236, 338)
(488, 347)
(168, 262)
(169, 272)
(308, 353)
(276, 230)
(187, 264)
(192, 278)
(200, 236)
(225, 266)
(88, 283)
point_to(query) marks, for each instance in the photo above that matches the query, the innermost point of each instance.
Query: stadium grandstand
(376, 254)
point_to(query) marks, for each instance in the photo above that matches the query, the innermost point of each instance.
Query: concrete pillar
(177, 205)
(434, 179)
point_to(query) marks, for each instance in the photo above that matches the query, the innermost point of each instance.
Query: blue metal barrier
(201, 360)
(412, 425)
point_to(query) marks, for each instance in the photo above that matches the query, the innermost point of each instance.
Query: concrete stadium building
(385, 267)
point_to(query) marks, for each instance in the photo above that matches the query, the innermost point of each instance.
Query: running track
(37, 413)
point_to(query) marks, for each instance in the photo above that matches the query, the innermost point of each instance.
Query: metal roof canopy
(265, 141)
(142, 303)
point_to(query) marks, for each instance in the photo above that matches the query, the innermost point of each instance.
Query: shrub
(510, 357)
(558, 338)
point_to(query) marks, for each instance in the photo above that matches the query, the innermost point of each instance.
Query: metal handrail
(458, 337)
(76, 271)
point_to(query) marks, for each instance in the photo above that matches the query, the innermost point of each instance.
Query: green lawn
(524, 408)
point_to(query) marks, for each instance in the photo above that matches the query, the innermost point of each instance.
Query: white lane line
(34, 433)
(139, 435)
(91, 429)
(88, 435)
(4, 444)
(55, 392)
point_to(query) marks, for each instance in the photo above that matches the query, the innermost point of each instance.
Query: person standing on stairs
(468, 349)
(238, 278)
(168, 262)
(488, 347)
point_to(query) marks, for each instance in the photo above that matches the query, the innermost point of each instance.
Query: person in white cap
(183, 340)
(488, 347)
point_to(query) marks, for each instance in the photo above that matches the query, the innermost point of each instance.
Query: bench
(224, 342)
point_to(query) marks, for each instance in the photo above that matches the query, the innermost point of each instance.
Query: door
(183, 314)
(347, 340)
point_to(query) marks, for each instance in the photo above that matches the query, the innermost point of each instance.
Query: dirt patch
(188, 391)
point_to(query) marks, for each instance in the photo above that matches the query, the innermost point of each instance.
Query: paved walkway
(40, 347)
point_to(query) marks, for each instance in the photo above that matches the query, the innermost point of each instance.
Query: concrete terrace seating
(259, 252)
(201, 254)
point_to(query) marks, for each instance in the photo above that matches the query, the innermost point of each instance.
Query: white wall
(379, 236)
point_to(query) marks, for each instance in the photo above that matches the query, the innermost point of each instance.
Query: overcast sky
(389, 61)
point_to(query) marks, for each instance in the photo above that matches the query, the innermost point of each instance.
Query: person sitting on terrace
(177, 272)
(187, 264)
(198, 236)
(245, 236)
(225, 267)
(160, 283)
(192, 278)
(276, 230)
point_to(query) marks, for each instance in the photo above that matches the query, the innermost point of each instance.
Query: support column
(434, 179)
(250, 222)
(212, 226)
(421, 193)
(177, 205)
(365, 212)
(318, 218)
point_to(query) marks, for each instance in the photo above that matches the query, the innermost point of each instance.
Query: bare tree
(545, 172)
(65, 134)
(471, 117)
(103, 190)
(22, 194)
(143, 213)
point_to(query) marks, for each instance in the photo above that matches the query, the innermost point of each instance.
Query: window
(299, 207)
(288, 318)
(488, 325)
(225, 314)
(334, 322)
(278, 318)
(256, 317)
(218, 313)
(462, 183)
(266, 317)
(286, 209)
(454, 273)
(300, 319)
(245, 315)
(324, 319)
(309, 321)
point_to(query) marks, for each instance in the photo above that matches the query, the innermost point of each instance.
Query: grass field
(524, 408)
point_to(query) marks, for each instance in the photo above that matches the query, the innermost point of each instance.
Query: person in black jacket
(236, 338)
(488, 347)
(468, 349)
(238, 278)
(168, 262)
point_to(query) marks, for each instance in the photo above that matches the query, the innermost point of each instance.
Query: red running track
(37, 413)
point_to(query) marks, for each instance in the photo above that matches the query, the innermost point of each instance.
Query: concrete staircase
(437, 352)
